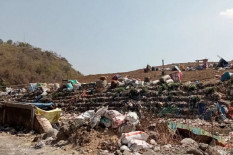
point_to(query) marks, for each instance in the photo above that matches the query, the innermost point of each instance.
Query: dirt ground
(198, 75)
(22, 145)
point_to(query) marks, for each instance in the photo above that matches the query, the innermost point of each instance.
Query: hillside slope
(21, 63)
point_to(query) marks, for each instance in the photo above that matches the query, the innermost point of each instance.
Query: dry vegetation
(22, 63)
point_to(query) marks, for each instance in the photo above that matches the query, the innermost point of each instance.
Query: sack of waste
(101, 83)
(44, 125)
(131, 120)
(116, 117)
(136, 145)
(95, 120)
(139, 135)
(165, 78)
(86, 116)
(169, 81)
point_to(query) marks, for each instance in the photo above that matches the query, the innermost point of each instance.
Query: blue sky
(105, 36)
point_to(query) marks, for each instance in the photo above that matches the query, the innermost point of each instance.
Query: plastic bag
(136, 145)
(69, 87)
(52, 115)
(116, 117)
(165, 78)
(131, 122)
(132, 118)
(106, 122)
(127, 137)
(95, 120)
(169, 81)
(86, 116)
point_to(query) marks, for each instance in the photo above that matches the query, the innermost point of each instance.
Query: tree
(1, 41)
(67, 70)
(9, 42)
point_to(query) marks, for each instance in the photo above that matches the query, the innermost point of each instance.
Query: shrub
(120, 89)
(9, 42)
(195, 99)
(144, 90)
(211, 90)
(173, 86)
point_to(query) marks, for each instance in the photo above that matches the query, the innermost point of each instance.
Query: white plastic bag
(136, 145)
(86, 116)
(101, 111)
(132, 118)
(165, 78)
(169, 81)
(95, 120)
(127, 137)
(131, 123)
(155, 82)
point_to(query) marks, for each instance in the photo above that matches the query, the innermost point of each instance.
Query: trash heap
(111, 132)
(133, 116)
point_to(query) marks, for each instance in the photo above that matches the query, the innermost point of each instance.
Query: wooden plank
(18, 105)
(4, 116)
(32, 117)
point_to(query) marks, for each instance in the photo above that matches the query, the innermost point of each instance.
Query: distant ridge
(21, 63)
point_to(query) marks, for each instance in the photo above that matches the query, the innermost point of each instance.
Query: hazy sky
(102, 36)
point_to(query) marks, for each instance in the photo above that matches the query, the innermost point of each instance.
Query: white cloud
(227, 13)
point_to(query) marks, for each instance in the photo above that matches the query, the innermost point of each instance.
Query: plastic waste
(132, 118)
(139, 135)
(95, 120)
(165, 78)
(116, 117)
(169, 81)
(226, 76)
(136, 145)
(52, 115)
(69, 86)
(45, 124)
(155, 82)
(106, 122)
(32, 86)
(86, 116)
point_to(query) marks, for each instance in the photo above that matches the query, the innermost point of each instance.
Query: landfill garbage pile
(38, 93)
(110, 132)
(131, 116)
(207, 105)
(187, 100)
(11, 94)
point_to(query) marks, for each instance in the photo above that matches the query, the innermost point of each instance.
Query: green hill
(21, 63)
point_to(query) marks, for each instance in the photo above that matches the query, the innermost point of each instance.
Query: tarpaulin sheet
(52, 115)
(198, 131)
(42, 105)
